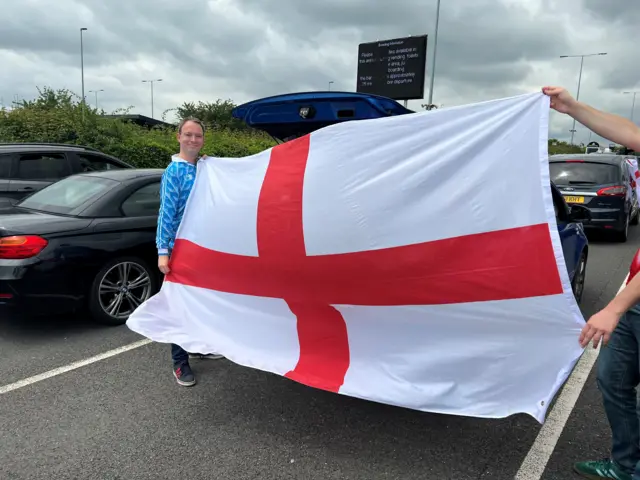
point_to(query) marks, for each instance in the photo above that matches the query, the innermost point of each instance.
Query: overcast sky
(246, 49)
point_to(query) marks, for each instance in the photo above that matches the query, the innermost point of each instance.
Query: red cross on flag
(411, 260)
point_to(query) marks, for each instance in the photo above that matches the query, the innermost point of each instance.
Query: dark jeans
(618, 376)
(179, 355)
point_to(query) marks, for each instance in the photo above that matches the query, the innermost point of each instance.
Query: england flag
(411, 260)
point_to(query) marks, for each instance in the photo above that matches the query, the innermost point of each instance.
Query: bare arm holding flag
(618, 130)
(608, 125)
(602, 324)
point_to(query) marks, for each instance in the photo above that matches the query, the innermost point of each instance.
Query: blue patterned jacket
(175, 187)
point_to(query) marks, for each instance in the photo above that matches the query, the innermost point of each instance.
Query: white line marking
(72, 366)
(536, 460)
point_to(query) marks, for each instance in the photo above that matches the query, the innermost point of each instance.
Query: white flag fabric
(632, 165)
(411, 260)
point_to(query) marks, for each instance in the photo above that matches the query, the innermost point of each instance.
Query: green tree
(216, 115)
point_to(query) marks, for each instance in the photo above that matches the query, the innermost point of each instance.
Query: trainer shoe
(601, 469)
(209, 356)
(184, 375)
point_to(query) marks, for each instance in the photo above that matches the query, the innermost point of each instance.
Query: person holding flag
(617, 326)
(177, 183)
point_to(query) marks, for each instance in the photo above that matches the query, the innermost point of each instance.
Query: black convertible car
(85, 241)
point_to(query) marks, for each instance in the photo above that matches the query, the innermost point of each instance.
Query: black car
(27, 167)
(602, 183)
(87, 240)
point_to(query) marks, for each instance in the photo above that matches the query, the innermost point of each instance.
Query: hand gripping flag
(411, 260)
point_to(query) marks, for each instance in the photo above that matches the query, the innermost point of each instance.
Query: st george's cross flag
(411, 260)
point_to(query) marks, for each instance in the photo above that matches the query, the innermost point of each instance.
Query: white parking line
(72, 366)
(536, 460)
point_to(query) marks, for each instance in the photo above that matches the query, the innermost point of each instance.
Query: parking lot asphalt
(124, 417)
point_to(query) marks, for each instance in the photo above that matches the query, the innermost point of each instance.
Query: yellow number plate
(573, 199)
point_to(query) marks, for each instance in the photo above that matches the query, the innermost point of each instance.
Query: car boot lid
(297, 114)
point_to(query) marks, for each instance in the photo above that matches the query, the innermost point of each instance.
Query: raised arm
(613, 127)
(619, 130)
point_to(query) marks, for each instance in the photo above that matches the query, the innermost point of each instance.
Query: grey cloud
(481, 45)
(120, 30)
(245, 49)
(473, 32)
(623, 69)
(615, 13)
(469, 37)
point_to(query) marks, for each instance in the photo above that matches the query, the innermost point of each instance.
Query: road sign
(393, 68)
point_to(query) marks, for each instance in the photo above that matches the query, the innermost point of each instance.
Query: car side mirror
(579, 213)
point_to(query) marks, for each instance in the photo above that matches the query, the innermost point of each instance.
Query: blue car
(293, 115)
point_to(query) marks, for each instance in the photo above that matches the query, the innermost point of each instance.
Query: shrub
(59, 117)
(556, 147)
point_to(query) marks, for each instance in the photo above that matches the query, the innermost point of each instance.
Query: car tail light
(617, 191)
(23, 246)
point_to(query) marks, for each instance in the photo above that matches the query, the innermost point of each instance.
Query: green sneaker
(601, 469)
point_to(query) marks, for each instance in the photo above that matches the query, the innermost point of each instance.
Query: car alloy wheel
(123, 288)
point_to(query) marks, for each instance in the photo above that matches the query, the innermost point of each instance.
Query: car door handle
(25, 189)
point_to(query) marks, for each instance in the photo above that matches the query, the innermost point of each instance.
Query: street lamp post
(573, 129)
(330, 85)
(151, 82)
(96, 93)
(433, 58)
(633, 104)
(82, 61)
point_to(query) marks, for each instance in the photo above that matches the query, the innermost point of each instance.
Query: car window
(95, 163)
(5, 166)
(143, 202)
(586, 173)
(68, 194)
(42, 166)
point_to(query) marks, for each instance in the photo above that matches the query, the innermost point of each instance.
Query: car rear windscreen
(68, 194)
(567, 173)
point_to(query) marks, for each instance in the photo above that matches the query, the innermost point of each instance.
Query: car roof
(44, 146)
(8, 148)
(608, 158)
(283, 116)
(124, 174)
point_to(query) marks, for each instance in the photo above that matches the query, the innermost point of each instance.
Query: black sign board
(393, 68)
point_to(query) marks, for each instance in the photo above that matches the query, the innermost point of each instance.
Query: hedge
(59, 117)
(55, 117)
